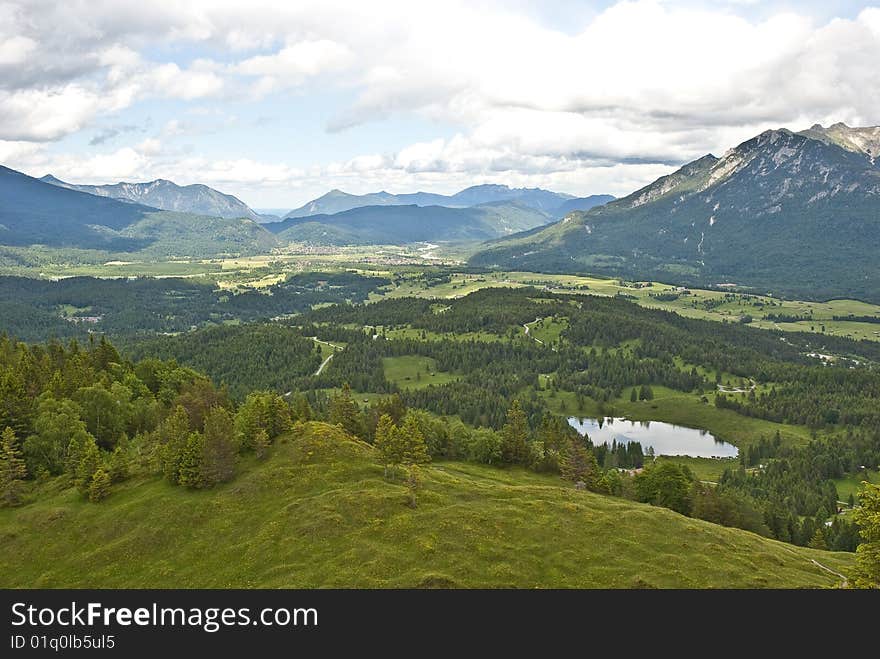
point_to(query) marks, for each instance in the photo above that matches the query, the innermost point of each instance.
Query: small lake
(666, 438)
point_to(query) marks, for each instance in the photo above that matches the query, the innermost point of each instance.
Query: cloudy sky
(280, 101)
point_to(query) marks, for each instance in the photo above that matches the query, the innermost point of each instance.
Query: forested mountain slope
(34, 212)
(167, 195)
(793, 213)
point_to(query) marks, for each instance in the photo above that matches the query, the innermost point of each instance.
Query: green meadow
(318, 513)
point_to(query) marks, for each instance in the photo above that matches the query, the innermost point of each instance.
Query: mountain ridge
(399, 224)
(167, 195)
(760, 216)
(337, 201)
(37, 212)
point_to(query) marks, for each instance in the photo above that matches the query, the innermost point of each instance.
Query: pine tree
(12, 469)
(415, 451)
(579, 464)
(218, 452)
(388, 444)
(261, 444)
(515, 436)
(413, 484)
(190, 461)
(818, 540)
(89, 463)
(118, 468)
(173, 436)
(99, 486)
(345, 412)
(302, 411)
(633, 396)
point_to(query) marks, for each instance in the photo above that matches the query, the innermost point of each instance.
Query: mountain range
(555, 204)
(147, 218)
(35, 212)
(791, 212)
(168, 196)
(395, 224)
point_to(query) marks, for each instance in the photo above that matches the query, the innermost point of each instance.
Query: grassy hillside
(318, 513)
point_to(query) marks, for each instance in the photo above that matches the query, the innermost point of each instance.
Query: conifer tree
(413, 484)
(818, 540)
(415, 451)
(515, 435)
(218, 452)
(382, 443)
(173, 436)
(579, 464)
(345, 412)
(302, 411)
(99, 486)
(12, 469)
(89, 463)
(389, 443)
(190, 461)
(118, 467)
(261, 444)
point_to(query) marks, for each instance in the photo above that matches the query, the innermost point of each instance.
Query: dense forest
(36, 309)
(241, 357)
(153, 409)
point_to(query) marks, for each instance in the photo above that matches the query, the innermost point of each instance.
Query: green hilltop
(319, 513)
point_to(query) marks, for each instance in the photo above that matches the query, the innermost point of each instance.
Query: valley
(431, 386)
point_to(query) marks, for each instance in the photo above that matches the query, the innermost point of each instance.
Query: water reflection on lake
(666, 438)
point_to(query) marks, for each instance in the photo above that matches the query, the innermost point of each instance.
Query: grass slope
(318, 513)
(414, 372)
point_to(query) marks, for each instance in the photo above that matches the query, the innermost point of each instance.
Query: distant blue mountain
(35, 212)
(399, 224)
(337, 201)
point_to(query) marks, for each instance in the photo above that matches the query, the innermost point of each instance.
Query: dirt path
(828, 569)
(724, 390)
(819, 565)
(326, 361)
(526, 328)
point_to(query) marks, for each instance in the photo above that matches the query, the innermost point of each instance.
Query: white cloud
(15, 49)
(45, 114)
(599, 106)
(297, 61)
(149, 147)
(170, 80)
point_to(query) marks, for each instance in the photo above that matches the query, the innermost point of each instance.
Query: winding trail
(819, 565)
(324, 363)
(828, 569)
(736, 390)
(526, 328)
(329, 357)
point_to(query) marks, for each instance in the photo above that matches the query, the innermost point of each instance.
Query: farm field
(410, 372)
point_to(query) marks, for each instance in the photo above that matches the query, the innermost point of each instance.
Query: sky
(278, 102)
